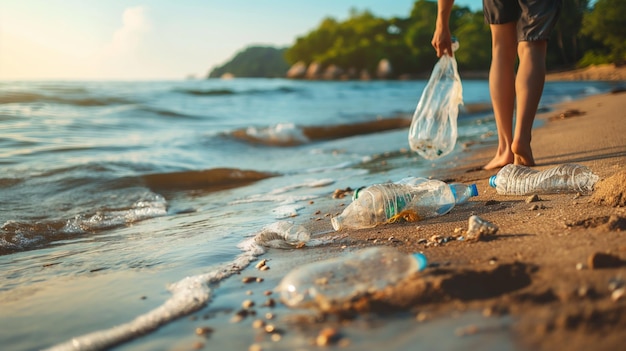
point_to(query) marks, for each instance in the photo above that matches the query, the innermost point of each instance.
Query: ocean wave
(209, 180)
(223, 92)
(289, 134)
(21, 235)
(168, 113)
(27, 97)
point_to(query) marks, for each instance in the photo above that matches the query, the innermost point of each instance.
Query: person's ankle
(524, 160)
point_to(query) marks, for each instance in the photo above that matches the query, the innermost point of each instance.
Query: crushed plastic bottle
(521, 180)
(327, 285)
(411, 199)
(282, 235)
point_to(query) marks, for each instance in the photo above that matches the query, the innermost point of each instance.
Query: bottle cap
(492, 181)
(355, 194)
(473, 189)
(422, 262)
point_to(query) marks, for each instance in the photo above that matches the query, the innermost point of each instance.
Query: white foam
(141, 210)
(281, 132)
(188, 295)
(286, 211)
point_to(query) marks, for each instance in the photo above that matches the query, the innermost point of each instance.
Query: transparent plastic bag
(433, 130)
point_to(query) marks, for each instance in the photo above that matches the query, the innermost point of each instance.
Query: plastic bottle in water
(521, 180)
(327, 284)
(411, 198)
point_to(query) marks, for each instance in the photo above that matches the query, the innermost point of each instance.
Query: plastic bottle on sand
(411, 198)
(327, 284)
(521, 180)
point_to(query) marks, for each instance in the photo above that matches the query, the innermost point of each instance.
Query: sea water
(123, 204)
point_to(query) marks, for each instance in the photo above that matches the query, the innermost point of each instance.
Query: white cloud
(135, 26)
(123, 56)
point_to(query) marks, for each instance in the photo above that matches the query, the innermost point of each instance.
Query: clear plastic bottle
(521, 180)
(326, 284)
(422, 198)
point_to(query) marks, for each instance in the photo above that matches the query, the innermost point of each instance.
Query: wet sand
(557, 265)
(552, 277)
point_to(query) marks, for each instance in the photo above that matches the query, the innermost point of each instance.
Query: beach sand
(552, 277)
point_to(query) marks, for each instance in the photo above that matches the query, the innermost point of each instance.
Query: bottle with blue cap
(522, 180)
(410, 199)
(326, 285)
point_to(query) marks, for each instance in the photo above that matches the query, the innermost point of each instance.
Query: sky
(157, 39)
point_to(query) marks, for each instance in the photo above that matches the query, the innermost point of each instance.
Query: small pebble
(327, 336)
(276, 337)
(249, 292)
(469, 330)
(247, 280)
(247, 304)
(262, 263)
(264, 268)
(267, 293)
(269, 316)
(533, 198)
(258, 324)
(270, 328)
(580, 266)
(615, 283)
(204, 331)
(270, 303)
(255, 347)
(617, 295)
(421, 317)
(259, 280)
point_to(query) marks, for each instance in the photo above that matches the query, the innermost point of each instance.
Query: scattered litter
(533, 198)
(479, 228)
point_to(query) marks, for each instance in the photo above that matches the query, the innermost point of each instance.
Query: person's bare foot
(523, 155)
(524, 160)
(500, 160)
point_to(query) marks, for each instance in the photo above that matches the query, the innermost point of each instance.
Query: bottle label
(395, 207)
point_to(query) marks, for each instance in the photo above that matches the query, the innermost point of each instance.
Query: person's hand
(442, 41)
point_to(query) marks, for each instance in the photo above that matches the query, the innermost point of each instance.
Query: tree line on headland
(368, 47)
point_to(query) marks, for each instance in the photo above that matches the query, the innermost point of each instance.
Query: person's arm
(442, 39)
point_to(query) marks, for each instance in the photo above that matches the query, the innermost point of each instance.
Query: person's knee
(535, 49)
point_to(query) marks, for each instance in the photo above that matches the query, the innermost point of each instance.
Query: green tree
(564, 45)
(256, 62)
(605, 24)
(475, 42)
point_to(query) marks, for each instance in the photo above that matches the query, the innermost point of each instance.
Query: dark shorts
(535, 18)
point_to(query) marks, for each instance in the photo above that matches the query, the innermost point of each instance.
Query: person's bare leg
(502, 89)
(531, 75)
